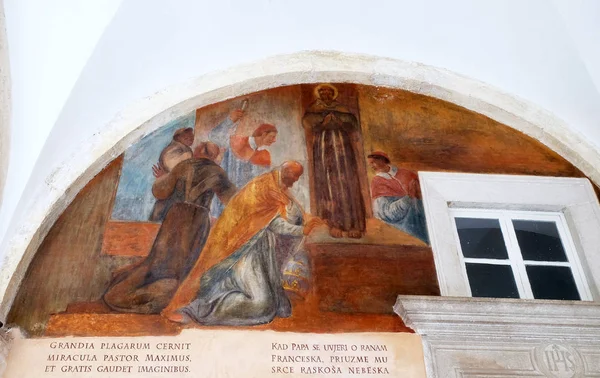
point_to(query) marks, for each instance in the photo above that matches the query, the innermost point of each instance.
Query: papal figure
(334, 132)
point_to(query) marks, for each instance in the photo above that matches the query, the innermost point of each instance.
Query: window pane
(552, 282)
(496, 281)
(481, 238)
(539, 241)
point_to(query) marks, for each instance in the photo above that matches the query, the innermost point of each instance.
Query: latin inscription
(118, 357)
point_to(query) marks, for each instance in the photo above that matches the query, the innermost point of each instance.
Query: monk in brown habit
(333, 131)
(178, 150)
(148, 287)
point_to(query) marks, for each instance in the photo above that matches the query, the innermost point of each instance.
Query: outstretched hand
(158, 170)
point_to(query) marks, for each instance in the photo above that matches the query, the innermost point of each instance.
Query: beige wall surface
(221, 353)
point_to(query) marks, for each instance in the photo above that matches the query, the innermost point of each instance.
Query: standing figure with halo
(333, 134)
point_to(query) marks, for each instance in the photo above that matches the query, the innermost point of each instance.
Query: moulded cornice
(470, 318)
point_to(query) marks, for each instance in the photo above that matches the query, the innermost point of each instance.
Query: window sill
(489, 337)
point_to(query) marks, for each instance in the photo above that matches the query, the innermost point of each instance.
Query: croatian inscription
(118, 357)
(330, 359)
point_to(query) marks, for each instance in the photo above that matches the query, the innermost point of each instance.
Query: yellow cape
(248, 212)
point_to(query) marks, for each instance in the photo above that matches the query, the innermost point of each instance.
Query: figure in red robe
(396, 196)
(244, 157)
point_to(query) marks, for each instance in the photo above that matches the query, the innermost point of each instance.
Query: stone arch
(149, 113)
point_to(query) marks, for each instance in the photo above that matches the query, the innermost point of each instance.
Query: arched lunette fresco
(308, 67)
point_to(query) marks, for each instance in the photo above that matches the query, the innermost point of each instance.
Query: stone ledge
(469, 318)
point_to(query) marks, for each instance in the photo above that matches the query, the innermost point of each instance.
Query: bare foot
(355, 234)
(336, 233)
(176, 317)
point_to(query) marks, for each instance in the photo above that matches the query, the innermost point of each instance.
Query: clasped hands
(331, 119)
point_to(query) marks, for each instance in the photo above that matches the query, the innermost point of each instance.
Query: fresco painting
(333, 137)
(293, 209)
(166, 147)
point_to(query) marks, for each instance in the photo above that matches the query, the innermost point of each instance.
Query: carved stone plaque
(560, 361)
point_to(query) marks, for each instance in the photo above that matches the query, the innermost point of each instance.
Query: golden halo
(318, 87)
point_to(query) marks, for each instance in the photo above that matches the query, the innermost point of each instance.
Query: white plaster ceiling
(76, 64)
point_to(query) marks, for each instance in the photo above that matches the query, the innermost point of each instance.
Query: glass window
(552, 282)
(539, 240)
(489, 280)
(517, 254)
(481, 238)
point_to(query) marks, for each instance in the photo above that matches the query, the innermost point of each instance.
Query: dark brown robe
(334, 130)
(170, 156)
(147, 287)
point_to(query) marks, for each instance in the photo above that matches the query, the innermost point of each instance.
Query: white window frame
(514, 256)
(573, 198)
